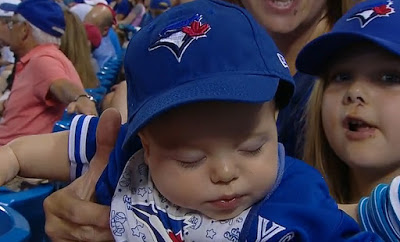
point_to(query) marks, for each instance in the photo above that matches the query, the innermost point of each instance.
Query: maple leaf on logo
(196, 29)
(175, 238)
(382, 10)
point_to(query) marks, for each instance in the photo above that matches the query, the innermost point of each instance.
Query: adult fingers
(66, 205)
(71, 108)
(61, 230)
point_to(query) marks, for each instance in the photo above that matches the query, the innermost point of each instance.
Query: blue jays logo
(163, 227)
(367, 15)
(177, 37)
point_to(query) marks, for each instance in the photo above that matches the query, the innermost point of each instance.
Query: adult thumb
(106, 137)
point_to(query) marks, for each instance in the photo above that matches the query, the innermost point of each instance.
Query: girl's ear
(145, 144)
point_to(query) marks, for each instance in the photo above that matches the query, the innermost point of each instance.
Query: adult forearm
(74, 96)
(65, 91)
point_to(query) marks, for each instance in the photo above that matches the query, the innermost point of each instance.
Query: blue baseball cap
(375, 21)
(160, 4)
(204, 50)
(46, 15)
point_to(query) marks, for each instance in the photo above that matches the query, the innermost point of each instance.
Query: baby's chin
(224, 215)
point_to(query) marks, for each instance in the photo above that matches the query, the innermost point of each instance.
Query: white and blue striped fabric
(380, 213)
(78, 151)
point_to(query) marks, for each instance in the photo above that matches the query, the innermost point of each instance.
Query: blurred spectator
(135, 16)
(103, 17)
(93, 34)
(156, 7)
(94, 37)
(7, 57)
(82, 8)
(122, 8)
(45, 80)
(178, 2)
(76, 46)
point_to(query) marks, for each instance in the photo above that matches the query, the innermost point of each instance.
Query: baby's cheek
(264, 179)
(175, 191)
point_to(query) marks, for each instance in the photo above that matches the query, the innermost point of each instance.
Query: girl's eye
(340, 77)
(390, 78)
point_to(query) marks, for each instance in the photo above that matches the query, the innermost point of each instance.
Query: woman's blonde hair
(317, 151)
(74, 44)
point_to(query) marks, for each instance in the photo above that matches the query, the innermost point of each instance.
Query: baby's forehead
(212, 109)
(215, 118)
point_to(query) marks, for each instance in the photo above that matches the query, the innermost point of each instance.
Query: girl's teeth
(282, 3)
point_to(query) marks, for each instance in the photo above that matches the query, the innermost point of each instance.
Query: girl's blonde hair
(317, 151)
(74, 44)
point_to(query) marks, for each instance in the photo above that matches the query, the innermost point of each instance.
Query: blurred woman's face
(347, 4)
(286, 16)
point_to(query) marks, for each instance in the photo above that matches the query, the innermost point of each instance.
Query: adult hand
(82, 105)
(71, 213)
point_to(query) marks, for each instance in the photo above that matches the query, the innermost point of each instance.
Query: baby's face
(360, 109)
(216, 158)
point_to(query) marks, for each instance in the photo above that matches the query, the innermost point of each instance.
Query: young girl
(352, 118)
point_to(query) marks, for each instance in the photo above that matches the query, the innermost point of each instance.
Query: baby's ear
(145, 144)
(276, 108)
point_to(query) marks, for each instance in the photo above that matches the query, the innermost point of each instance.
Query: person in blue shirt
(156, 7)
(210, 166)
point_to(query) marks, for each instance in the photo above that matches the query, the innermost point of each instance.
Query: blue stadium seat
(64, 123)
(29, 203)
(98, 90)
(61, 125)
(13, 226)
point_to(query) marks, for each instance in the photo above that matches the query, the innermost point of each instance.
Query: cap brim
(240, 88)
(9, 7)
(316, 55)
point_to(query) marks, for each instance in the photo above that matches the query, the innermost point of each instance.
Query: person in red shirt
(45, 80)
